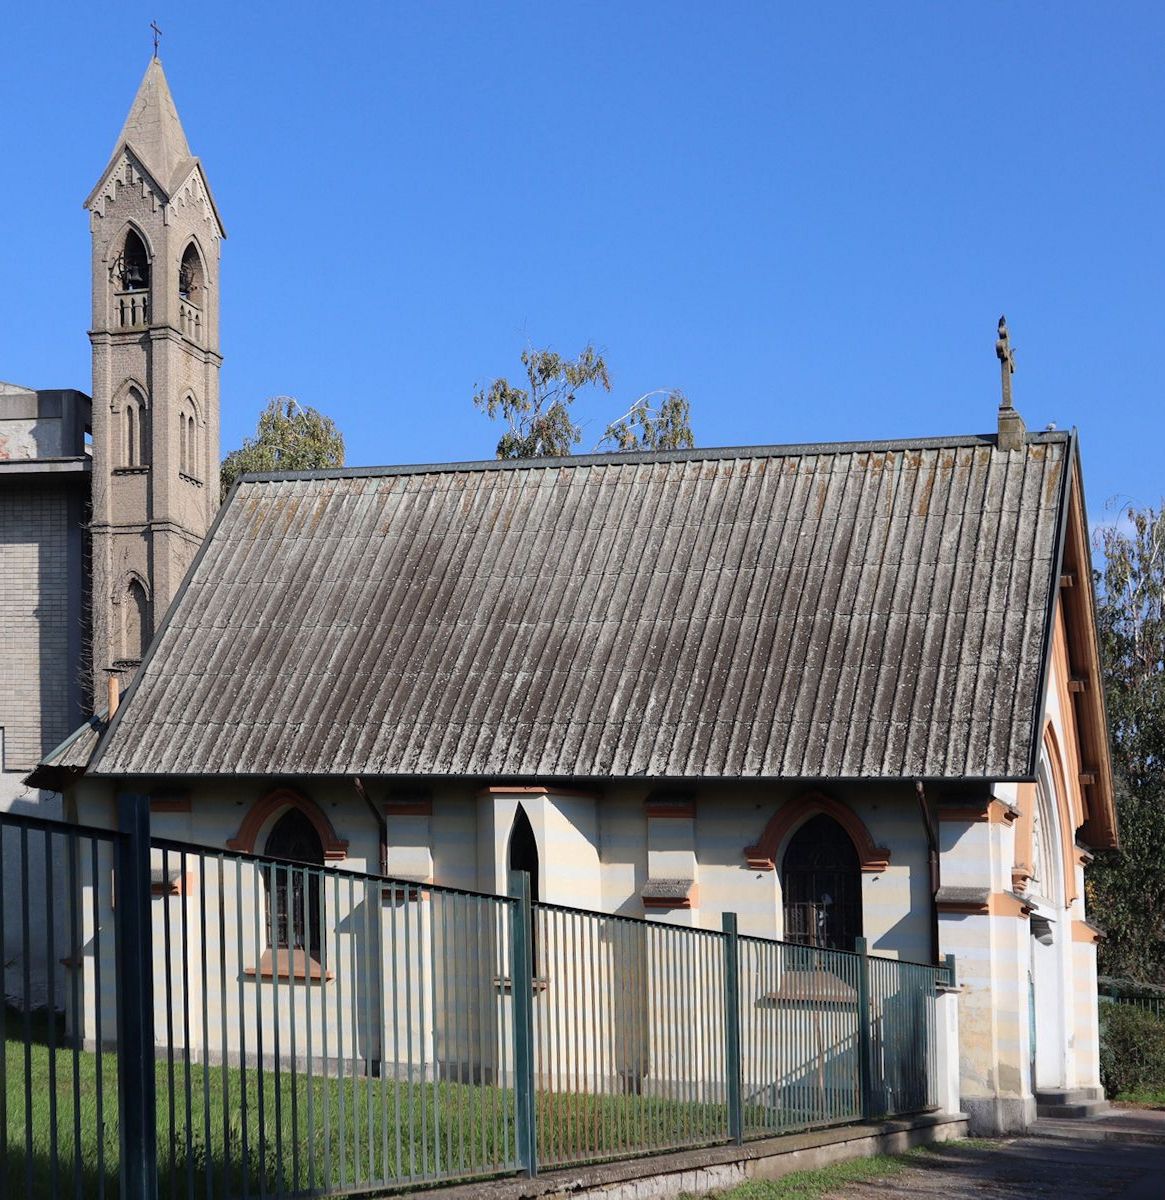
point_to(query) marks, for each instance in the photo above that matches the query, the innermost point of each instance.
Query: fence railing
(1150, 1004)
(292, 1028)
(61, 1125)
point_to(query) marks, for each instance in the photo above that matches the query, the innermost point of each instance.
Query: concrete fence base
(698, 1171)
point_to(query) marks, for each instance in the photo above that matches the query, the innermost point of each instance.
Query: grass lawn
(1144, 1097)
(253, 1131)
(225, 1131)
(816, 1185)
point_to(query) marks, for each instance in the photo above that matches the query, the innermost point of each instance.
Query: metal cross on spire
(1006, 356)
(157, 35)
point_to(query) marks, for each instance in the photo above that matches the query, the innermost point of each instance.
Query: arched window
(136, 439)
(136, 623)
(523, 856)
(134, 266)
(821, 880)
(293, 920)
(1046, 876)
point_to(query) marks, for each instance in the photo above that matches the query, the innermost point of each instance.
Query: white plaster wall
(21, 894)
(424, 978)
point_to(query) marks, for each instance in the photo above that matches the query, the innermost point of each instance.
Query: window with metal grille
(821, 880)
(293, 886)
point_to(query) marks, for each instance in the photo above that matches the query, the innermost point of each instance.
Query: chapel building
(841, 690)
(846, 691)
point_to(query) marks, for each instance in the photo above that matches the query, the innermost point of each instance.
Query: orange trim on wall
(182, 886)
(691, 900)
(988, 809)
(1077, 610)
(538, 791)
(170, 804)
(335, 847)
(1083, 932)
(288, 964)
(762, 855)
(1064, 814)
(408, 808)
(1022, 859)
(997, 904)
(1070, 758)
(680, 809)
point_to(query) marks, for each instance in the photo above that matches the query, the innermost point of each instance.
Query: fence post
(522, 989)
(865, 1031)
(952, 972)
(732, 1027)
(137, 1101)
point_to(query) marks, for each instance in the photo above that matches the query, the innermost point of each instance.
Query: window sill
(284, 964)
(397, 893)
(137, 470)
(190, 479)
(504, 983)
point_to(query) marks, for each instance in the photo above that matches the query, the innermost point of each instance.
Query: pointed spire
(153, 129)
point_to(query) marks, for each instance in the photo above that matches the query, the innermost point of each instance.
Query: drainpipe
(376, 1065)
(379, 818)
(933, 862)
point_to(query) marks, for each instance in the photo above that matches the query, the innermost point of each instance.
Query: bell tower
(156, 235)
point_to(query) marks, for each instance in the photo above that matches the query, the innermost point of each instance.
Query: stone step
(1068, 1095)
(1080, 1110)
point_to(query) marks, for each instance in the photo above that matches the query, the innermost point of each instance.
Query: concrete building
(45, 473)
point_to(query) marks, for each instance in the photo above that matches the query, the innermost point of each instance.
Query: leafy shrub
(1132, 1050)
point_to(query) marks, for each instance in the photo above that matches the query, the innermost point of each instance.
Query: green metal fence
(799, 1024)
(298, 1029)
(628, 1031)
(327, 1031)
(1150, 1004)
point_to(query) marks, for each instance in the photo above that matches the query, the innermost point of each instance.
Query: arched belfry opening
(191, 277)
(134, 264)
(821, 879)
(293, 892)
(191, 293)
(131, 280)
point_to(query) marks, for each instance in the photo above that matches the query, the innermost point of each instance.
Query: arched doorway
(821, 881)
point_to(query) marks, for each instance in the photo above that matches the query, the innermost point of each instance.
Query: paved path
(1056, 1167)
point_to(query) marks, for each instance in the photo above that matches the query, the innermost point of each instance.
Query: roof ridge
(634, 457)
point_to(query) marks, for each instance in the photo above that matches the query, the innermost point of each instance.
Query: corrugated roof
(69, 759)
(838, 611)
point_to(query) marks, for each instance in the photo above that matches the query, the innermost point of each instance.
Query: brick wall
(40, 613)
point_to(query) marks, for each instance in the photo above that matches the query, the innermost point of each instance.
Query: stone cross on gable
(1006, 356)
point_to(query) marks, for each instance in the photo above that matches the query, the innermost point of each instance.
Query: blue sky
(808, 217)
